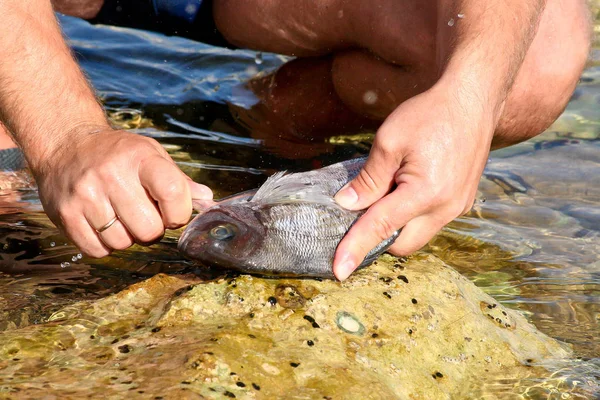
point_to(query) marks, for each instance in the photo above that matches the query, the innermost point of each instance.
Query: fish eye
(222, 232)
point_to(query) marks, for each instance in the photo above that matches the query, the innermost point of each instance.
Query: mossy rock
(414, 330)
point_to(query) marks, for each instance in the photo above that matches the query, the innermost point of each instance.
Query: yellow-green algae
(427, 333)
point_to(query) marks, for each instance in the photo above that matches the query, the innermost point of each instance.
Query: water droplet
(79, 256)
(370, 97)
(74, 258)
(191, 9)
(258, 59)
(52, 244)
(65, 264)
(340, 14)
(451, 22)
(461, 16)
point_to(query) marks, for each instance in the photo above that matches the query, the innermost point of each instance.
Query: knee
(543, 88)
(78, 8)
(228, 16)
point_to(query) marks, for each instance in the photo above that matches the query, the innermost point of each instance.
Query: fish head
(223, 235)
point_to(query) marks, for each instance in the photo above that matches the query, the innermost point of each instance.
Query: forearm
(44, 96)
(482, 45)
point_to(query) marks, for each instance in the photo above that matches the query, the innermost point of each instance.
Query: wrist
(480, 101)
(49, 149)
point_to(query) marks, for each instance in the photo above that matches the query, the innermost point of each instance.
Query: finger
(98, 213)
(198, 191)
(374, 180)
(168, 186)
(202, 196)
(415, 235)
(379, 223)
(138, 213)
(85, 237)
(116, 236)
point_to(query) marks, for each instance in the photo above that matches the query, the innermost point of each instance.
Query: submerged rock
(414, 330)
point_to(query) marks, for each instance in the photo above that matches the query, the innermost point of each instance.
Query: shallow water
(532, 241)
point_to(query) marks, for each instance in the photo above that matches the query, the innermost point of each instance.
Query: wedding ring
(108, 224)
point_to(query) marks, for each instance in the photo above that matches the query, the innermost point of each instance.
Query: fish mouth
(193, 245)
(183, 245)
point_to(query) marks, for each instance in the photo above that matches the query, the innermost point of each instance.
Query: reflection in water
(532, 239)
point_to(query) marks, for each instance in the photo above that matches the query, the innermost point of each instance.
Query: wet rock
(317, 340)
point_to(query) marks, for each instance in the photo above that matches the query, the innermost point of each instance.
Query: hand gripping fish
(290, 226)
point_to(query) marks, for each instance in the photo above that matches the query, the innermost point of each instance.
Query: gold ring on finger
(108, 224)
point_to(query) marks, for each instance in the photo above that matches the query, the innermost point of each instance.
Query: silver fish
(290, 226)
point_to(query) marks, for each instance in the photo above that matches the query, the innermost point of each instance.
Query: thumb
(375, 180)
(202, 196)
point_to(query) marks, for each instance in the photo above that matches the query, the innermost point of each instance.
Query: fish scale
(290, 226)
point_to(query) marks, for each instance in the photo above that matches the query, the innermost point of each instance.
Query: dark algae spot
(157, 329)
(251, 336)
(374, 335)
(439, 374)
(385, 279)
(310, 343)
(386, 294)
(272, 300)
(312, 321)
(294, 364)
(255, 386)
(229, 394)
(403, 278)
(240, 384)
(288, 296)
(125, 348)
(414, 301)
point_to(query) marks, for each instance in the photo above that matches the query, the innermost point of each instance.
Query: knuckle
(123, 244)
(174, 223)
(151, 235)
(367, 181)
(85, 189)
(384, 227)
(401, 250)
(172, 190)
(96, 252)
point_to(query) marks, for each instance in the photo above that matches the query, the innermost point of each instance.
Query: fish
(289, 227)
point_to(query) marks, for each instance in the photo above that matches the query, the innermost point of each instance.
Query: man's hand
(423, 171)
(111, 174)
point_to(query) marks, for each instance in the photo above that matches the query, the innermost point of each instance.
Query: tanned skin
(452, 79)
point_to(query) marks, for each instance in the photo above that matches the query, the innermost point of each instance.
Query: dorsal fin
(295, 187)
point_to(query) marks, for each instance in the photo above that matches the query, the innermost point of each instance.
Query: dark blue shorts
(192, 19)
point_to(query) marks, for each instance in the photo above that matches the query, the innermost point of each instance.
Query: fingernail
(344, 269)
(346, 197)
(200, 192)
